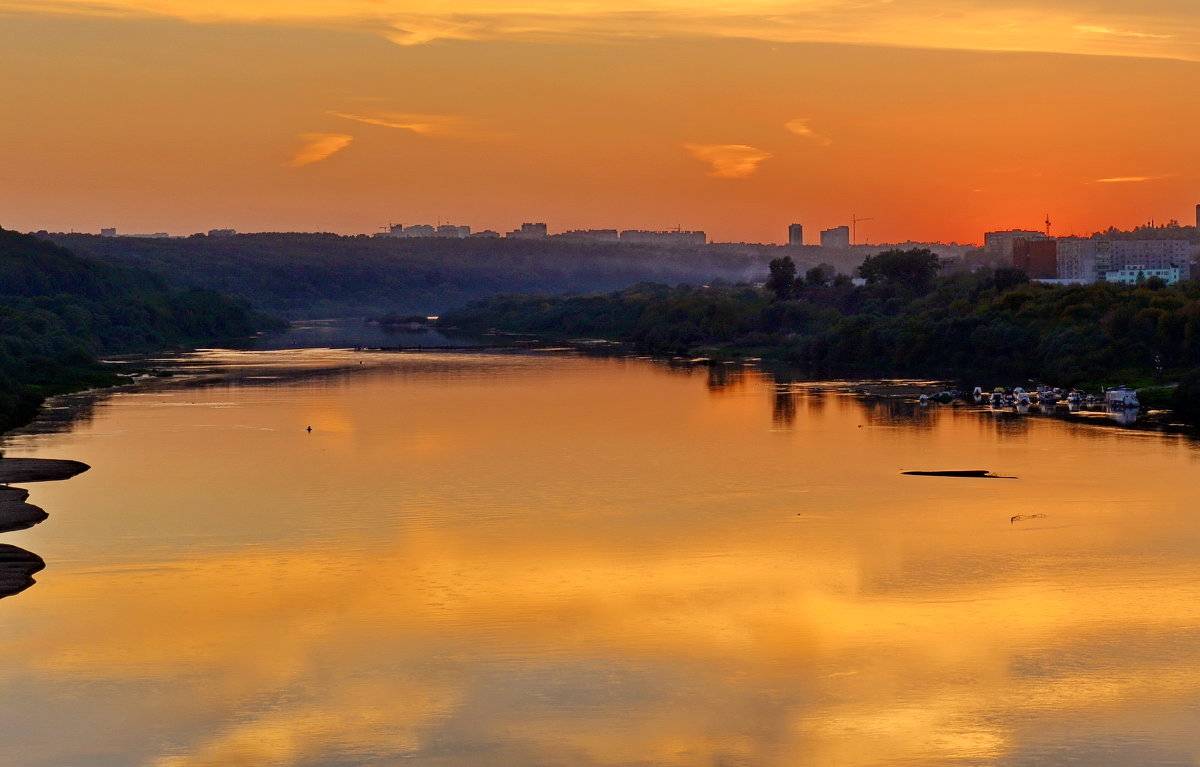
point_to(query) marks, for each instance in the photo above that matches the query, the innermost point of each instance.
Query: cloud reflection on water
(590, 562)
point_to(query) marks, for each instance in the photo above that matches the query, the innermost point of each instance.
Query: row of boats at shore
(1118, 397)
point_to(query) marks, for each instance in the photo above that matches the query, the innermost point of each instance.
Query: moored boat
(1121, 396)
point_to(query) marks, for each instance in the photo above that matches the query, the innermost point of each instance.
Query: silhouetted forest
(990, 327)
(327, 275)
(59, 312)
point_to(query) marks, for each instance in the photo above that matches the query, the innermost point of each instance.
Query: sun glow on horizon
(630, 115)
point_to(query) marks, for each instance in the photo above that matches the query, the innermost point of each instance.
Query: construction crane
(854, 227)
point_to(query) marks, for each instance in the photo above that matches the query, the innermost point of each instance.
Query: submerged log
(958, 473)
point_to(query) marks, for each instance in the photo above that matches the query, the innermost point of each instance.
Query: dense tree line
(991, 326)
(1172, 230)
(328, 275)
(59, 312)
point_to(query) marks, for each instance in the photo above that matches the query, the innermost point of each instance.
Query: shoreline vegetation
(61, 313)
(990, 328)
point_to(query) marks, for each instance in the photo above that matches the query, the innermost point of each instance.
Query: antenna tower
(854, 227)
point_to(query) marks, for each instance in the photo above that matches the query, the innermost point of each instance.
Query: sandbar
(15, 513)
(17, 567)
(38, 469)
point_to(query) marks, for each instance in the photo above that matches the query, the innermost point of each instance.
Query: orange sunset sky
(937, 119)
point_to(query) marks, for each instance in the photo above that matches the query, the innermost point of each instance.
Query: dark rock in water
(958, 473)
(17, 567)
(38, 469)
(15, 514)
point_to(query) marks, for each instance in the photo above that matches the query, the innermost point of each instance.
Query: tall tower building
(1198, 216)
(796, 232)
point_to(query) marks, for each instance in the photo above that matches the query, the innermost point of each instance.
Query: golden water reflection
(522, 560)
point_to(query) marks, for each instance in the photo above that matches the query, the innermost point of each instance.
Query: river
(479, 558)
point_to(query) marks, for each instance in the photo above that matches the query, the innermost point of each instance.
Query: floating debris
(1025, 516)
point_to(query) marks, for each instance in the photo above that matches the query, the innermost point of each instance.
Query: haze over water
(550, 560)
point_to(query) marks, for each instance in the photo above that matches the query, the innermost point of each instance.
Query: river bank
(217, 368)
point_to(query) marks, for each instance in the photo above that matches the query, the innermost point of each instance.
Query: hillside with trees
(326, 275)
(59, 313)
(991, 326)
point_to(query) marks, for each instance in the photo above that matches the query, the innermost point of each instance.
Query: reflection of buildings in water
(1005, 422)
(1123, 416)
(17, 567)
(784, 412)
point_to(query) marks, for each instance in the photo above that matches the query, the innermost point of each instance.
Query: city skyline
(152, 115)
(794, 230)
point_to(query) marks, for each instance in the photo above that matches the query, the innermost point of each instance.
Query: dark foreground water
(482, 559)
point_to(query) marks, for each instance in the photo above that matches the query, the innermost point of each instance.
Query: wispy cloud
(728, 160)
(800, 127)
(1094, 30)
(421, 30)
(315, 147)
(1130, 179)
(424, 125)
(1151, 28)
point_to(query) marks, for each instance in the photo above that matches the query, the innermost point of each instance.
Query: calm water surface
(480, 559)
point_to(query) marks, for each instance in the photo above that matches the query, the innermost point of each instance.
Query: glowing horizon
(734, 118)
